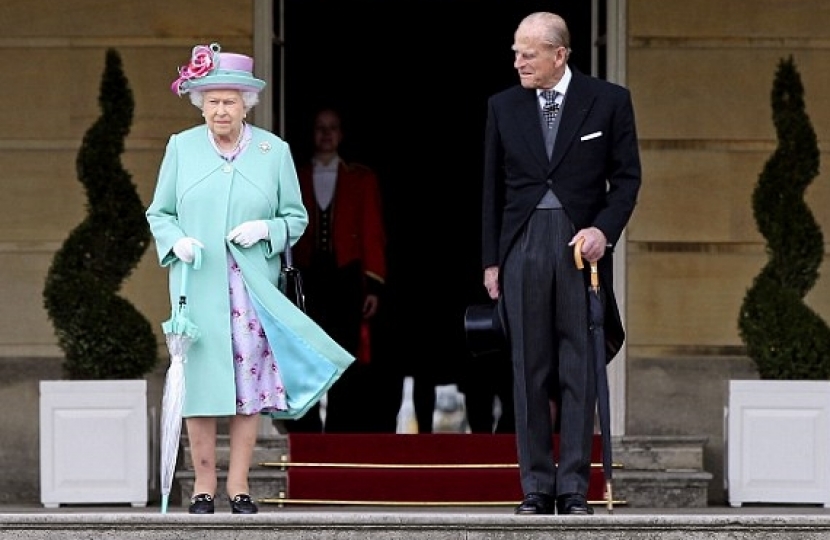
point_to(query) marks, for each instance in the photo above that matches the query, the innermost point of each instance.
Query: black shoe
(242, 504)
(201, 504)
(536, 503)
(573, 503)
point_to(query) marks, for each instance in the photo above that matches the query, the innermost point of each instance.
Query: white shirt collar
(562, 86)
(332, 166)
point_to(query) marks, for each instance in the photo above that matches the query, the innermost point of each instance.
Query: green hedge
(784, 336)
(102, 335)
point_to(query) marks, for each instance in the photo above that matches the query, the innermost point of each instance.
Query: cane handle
(578, 252)
(580, 264)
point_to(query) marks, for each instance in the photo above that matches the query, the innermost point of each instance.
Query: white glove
(249, 233)
(183, 248)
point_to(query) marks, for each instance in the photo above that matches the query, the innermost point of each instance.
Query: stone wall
(54, 59)
(701, 75)
(700, 72)
(57, 57)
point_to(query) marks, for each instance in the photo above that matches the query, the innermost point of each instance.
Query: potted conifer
(778, 429)
(93, 424)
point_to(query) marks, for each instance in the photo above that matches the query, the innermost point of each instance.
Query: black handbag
(291, 281)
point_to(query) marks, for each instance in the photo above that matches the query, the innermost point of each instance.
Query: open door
(413, 105)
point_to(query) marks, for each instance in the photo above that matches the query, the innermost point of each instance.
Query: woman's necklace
(230, 154)
(238, 141)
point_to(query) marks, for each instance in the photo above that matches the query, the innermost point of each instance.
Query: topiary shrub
(783, 336)
(102, 335)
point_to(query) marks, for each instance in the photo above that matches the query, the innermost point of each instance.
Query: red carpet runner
(427, 469)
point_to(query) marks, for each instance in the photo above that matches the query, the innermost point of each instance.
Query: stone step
(418, 524)
(662, 489)
(269, 448)
(660, 453)
(264, 484)
(648, 453)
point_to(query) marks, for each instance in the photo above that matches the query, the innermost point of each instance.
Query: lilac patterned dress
(259, 387)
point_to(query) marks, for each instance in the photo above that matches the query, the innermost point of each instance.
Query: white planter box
(778, 442)
(93, 442)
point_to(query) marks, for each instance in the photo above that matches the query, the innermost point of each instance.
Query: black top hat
(484, 329)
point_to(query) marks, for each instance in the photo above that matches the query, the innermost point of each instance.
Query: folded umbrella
(596, 320)
(180, 333)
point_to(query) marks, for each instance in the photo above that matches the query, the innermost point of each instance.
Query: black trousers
(545, 297)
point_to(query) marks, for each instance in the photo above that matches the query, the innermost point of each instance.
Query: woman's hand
(183, 248)
(249, 233)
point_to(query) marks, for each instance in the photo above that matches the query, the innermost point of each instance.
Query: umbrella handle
(196, 264)
(580, 264)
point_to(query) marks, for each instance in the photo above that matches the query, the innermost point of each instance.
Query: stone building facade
(700, 72)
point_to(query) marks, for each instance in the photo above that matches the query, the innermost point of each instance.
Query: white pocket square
(590, 136)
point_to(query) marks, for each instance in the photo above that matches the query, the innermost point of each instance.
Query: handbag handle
(288, 257)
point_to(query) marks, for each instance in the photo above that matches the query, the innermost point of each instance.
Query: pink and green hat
(210, 69)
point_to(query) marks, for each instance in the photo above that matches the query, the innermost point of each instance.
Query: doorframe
(616, 53)
(267, 39)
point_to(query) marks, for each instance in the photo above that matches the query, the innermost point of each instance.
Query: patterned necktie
(550, 109)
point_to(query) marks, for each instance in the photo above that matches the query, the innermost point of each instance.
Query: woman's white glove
(249, 233)
(183, 248)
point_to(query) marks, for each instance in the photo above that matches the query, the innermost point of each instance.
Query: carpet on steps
(441, 468)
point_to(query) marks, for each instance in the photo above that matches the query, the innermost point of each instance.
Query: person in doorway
(227, 193)
(342, 257)
(561, 164)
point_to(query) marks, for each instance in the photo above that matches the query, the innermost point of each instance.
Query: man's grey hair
(551, 27)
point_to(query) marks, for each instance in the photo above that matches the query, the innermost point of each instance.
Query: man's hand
(595, 243)
(370, 306)
(491, 281)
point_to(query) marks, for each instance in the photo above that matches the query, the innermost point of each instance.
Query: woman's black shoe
(201, 504)
(242, 504)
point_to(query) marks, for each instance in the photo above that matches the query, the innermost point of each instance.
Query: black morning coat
(594, 171)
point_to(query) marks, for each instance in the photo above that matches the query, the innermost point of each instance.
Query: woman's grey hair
(249, 99)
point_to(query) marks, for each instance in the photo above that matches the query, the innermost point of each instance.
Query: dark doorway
(411, 80)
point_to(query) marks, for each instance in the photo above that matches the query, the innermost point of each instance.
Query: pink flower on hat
(202, 62)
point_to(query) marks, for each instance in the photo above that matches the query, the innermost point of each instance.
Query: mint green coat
(200, 195)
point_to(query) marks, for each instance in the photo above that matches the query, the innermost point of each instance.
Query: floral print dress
(259, 387)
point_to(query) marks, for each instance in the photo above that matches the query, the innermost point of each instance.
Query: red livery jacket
(357, 220)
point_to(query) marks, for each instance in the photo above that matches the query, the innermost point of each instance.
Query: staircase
(661, 471)
(650, 472)
(450, 469)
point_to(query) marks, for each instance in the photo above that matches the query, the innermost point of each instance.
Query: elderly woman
(227, 193)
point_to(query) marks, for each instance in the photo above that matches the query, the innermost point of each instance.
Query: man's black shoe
(536, 503)
(573, 503)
